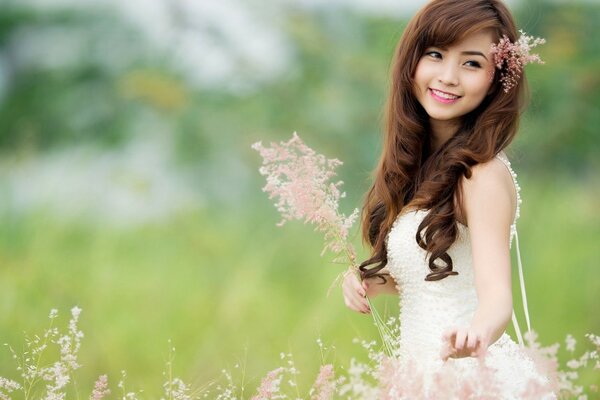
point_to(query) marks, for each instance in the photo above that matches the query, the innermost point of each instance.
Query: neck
(441, 131)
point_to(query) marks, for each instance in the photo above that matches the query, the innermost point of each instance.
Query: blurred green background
(128, 186)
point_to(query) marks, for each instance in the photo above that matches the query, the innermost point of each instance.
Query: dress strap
(513, 226)
(513, 231)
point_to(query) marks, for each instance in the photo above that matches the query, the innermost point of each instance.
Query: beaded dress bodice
(429, 307)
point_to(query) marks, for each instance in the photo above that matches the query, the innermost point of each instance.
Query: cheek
(480, 84)
(418, 80)
(421, 73)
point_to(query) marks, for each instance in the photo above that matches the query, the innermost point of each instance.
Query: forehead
(481, 41)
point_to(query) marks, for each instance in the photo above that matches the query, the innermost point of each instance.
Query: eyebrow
(474, 53)
(466, 53)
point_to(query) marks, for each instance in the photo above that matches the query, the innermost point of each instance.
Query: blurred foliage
(333, 93)
(560, 129)
(70, 101)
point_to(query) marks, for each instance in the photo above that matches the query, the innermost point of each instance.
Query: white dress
(428, 308)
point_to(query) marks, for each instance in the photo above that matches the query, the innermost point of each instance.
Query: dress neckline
(426, 210)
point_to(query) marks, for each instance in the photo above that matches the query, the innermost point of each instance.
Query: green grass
(225, 288)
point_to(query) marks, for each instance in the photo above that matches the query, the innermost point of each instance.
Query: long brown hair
(407, 172)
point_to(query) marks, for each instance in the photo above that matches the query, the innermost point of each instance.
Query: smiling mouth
(443, 97)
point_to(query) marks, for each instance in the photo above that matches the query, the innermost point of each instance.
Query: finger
(362, 290)
(356, 302)
(449, 333)
(349, 304)
(446, 351)
(480, 350)
(472, 340)
(349, 273)
(483, 348)
(357, 294)
(351, 291)
(352, 304)
(356, 306)
(363, 305)
(346, 283)
(365, 286)
(351, 299)
(461, 336)
(451, 353)
(350, 276)
(357, 286)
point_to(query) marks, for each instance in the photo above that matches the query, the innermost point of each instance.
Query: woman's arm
(489, 204)
(375, 286)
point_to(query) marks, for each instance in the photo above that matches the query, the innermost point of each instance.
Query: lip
(441, 99)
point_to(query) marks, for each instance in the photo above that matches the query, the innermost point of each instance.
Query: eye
(431, 53)
(474, 64)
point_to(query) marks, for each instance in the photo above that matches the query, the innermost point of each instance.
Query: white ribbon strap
(517, 329)
(520, 264)
(523, 295)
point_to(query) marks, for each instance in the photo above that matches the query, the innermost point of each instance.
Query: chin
(443, 117)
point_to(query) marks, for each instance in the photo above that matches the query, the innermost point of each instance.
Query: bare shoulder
(489, 173)
(490, 189)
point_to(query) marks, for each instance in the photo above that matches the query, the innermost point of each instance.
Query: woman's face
(452, 82)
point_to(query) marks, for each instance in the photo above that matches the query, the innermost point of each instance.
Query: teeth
(444, 95)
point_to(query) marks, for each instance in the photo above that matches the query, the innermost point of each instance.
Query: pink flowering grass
(300, 181)
(511, 58)
(376, 377)
(269, 387)
(46, 368)
(381, 377)
(324, 386)
(33, 371)
(101, 389)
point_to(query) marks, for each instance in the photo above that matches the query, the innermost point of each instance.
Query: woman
(441, 214)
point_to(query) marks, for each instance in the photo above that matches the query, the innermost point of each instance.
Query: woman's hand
(355, 291)
(464, 342)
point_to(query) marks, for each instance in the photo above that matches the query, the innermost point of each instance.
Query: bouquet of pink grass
(300, 179)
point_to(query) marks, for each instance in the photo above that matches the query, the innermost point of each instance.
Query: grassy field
(231, 288)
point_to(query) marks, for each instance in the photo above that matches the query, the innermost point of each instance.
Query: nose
(448, 75)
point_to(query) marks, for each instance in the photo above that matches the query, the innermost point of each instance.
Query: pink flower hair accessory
(515, 56)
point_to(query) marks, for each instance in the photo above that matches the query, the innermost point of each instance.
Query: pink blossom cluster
(269, 386)
(101, 389)
(272, 385)
(515, 56)
(300, 178)
(325, 384)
